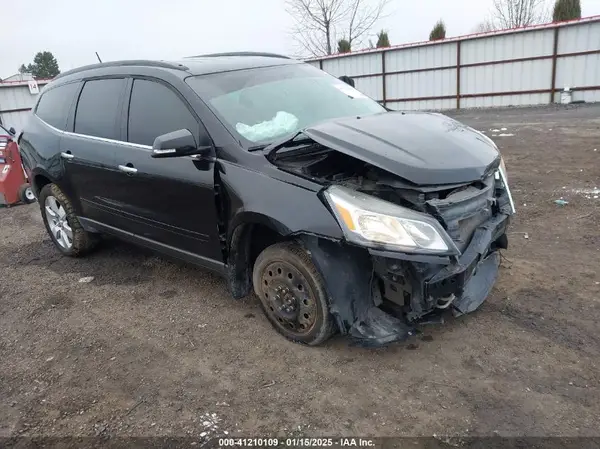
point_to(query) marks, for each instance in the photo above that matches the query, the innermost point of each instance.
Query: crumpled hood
(423, 148)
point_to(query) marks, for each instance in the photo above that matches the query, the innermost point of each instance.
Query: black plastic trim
(126, 63)
(240, 53)
(96, 226)
(424, 258)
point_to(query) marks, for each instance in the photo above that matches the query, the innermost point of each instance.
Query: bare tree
(320, 24)
(485, 26)
(518, 13)
(363, 14)
(316, 21)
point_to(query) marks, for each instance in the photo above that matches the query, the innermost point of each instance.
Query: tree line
(325, 27)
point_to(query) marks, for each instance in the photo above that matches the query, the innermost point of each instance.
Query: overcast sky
(157, 29)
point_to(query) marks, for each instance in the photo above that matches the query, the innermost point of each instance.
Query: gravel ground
(154, 347)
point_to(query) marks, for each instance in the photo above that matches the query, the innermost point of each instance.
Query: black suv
(341, 214)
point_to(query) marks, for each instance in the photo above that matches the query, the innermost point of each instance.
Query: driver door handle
(67, 155)
(129, 169)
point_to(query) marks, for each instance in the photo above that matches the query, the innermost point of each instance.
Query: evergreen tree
(344, 46)
(382, 39)
(438, 32)
(566, 10)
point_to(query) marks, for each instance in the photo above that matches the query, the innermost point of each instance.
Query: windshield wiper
(258, 147)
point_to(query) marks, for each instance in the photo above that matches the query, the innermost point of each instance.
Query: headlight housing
(503, 170)
(372, 222)
(503, 177)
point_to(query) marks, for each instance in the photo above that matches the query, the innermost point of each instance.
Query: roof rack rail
(129, 62)
(241, 53)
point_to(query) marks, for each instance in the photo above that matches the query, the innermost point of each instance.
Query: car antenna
(98, 56)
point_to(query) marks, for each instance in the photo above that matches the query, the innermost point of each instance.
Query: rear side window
(97, 109)
(54, 105)
(155, 110)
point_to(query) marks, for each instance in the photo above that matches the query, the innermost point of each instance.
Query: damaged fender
(348, 275)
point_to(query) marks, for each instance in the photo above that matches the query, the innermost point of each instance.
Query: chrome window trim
(99, 139)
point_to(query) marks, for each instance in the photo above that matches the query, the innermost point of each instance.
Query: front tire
(292, 294)
(62, 224)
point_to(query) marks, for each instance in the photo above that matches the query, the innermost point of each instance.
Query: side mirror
(177, 144)
(12, 131)
(347, 80)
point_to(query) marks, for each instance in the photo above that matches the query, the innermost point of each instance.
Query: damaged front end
(410, 251)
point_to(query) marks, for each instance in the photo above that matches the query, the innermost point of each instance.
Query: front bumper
(472, 277)
(463, 283)
(378, 297)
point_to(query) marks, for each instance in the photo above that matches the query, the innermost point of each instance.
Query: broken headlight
(373, 222)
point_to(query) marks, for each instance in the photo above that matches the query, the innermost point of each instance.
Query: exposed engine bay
(409, 287)
(326, 166)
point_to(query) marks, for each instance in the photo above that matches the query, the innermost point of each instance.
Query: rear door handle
(67, 155)
(129, 169)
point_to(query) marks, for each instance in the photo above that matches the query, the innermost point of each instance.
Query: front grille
(463, 211)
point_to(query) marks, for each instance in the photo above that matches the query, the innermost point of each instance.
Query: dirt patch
(153, 347)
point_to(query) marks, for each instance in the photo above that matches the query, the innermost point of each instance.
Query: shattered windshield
(264, 104)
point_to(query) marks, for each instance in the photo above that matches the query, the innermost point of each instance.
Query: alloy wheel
(57, 222)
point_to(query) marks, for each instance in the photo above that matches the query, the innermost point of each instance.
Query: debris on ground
(209, 422)
(594, 191)
(561, 202)
(86, 280)
(587, 193)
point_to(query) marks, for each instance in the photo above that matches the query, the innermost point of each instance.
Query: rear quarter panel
(39, 146)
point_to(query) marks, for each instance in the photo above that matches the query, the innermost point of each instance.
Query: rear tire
(292, 294)
(26, 194)
(62, 224)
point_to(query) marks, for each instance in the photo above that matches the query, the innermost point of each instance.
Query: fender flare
(40, 171)
(250, 217)
(239, 277)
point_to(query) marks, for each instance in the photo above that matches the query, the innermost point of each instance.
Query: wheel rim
(288, 298)
(59, 226)
(29, 194)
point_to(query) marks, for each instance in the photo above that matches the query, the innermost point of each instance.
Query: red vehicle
(14, 186)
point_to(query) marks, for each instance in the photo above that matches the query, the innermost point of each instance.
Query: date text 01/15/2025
(296, 442)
